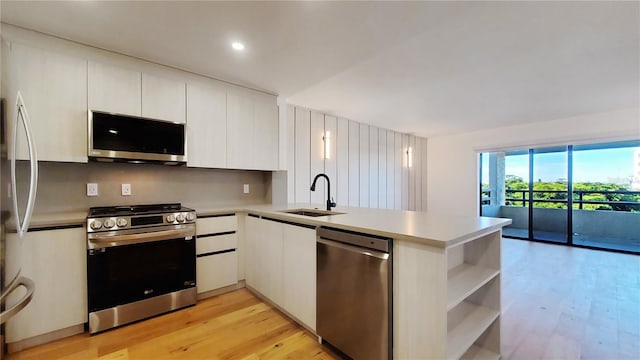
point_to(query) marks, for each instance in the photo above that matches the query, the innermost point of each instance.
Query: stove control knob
(96, 224)
(170, 218)
(121, 222)
(109, 223)
(180, 218)
(191, 216)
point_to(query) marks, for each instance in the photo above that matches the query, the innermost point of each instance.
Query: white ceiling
(428, 68)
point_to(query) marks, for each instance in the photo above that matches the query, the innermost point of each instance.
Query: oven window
(123, 274)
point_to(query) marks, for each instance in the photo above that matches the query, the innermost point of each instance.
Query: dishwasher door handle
(355, 249)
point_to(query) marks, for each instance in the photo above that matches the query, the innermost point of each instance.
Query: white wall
(452, 161)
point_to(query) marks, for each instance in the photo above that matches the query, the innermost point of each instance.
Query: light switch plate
(245, 188)
(126, 189)
(92, 189)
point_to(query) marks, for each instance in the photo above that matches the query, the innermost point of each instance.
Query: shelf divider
(475, 322)
(464, 279)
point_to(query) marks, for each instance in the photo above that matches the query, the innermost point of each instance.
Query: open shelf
(472, 321)
(475, 352)
(465, 279)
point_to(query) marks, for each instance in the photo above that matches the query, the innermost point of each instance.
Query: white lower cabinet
(56, 261)
(216, 271)
(216, 252)
(281, 265)
(299, 273)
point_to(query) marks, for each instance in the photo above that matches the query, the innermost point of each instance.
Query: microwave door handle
(22, 114)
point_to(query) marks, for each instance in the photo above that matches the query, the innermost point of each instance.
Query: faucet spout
(330, 203)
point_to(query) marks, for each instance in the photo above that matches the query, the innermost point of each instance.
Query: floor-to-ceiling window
(583, 195)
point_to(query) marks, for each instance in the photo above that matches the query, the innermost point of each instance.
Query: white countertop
(422, 227)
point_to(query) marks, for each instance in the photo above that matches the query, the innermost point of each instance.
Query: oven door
(125, 268)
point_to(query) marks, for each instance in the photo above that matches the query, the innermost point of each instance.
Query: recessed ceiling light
(236, 45)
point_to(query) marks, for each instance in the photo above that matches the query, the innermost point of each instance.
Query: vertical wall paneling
(354, 163)
(398, 165)
(373, 167)
(330, 164)
(391, 169)
(342, 162)
(364, 165)
(423, 174)
(417, 196)
(405, 173)
(317, 158)
(412, 173)
(382, 168)
(302, 155)
(290, 154)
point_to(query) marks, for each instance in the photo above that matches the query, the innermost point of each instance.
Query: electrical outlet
(92, 189)
(245, 188)
(126, 189)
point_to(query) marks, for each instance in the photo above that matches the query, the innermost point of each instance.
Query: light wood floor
(569, 303)
(236, 325)
(558, 303)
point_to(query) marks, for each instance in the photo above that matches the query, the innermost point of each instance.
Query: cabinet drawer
(216, 271)
(218, 224)
(209, 244)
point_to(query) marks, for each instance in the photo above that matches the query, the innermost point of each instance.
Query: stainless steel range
(140, 262)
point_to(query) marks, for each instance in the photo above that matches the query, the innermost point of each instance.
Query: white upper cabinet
(163, 99)
(114, 89)
(265, 135)
(123, 91)
(54, 89)
(252, 130)
(206, 126)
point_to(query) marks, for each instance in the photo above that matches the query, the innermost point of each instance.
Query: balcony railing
(521, 198)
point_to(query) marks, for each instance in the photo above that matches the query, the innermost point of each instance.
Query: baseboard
(207, 294)
(44, 338)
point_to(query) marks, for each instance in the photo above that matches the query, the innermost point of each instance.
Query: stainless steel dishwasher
(354, 301)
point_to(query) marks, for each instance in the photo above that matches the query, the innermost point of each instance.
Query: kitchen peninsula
(446, 274)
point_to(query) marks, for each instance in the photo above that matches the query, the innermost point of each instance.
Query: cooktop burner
(112, 218)
(135, 209)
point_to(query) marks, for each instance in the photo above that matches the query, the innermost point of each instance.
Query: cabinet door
(114, 89)
(206, 126)
(53, 87)
(240, 149)
(299, 273)
(216, 271)
(264, 258)
(251, 235)
(269, 261)
(252, 131)
(56, 261)
(163, 99)
(265, 132)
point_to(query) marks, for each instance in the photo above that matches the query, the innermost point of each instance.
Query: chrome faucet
(330, 202)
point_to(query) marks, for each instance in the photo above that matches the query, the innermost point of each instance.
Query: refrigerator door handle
(23, 226)
(26, 299)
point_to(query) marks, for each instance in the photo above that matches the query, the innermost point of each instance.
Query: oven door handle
(117, 240)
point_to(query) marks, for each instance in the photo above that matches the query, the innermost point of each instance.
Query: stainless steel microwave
(115, 137)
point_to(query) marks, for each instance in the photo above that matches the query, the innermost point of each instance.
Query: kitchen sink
(311, 212)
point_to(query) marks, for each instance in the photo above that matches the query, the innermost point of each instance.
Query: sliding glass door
(582, 195)
(549, 193)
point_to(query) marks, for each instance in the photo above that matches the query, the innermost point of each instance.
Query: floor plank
(236, 325)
